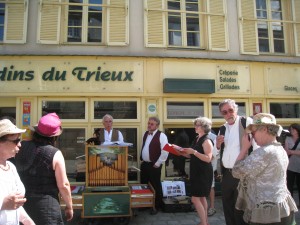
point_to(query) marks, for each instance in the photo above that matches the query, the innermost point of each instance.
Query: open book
(173, 149)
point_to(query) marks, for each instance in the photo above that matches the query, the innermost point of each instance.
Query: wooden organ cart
(107, 193)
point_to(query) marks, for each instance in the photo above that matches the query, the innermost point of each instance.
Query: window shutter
(154, 24)
(218, 32)
(16, 22)
(118, 24)
(49, 21)
(248, 27)
(296, 13)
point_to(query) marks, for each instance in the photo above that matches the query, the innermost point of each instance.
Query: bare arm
(246, 143)
(24, 217)
(63, 183)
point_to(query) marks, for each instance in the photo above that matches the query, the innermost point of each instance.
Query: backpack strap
(222, 132)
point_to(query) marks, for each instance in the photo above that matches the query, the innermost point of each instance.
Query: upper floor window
(183, 28)
(101, 22)
(85, 21)
(2, 16)
(13, 21)
(269, 27)
(198, 24)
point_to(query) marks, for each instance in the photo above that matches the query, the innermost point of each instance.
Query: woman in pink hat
(12, 190)
(42, 169)
(263, 193)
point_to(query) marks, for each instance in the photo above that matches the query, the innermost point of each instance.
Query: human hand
(289, 152)
(219, 141)
(13, 201)
(188, 151)
(69, 213)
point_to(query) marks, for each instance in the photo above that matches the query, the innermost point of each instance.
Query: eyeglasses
(224, 112)
(16, 141)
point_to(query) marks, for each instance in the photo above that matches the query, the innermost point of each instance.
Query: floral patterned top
(263, 194)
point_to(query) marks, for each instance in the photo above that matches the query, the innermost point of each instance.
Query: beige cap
(7, 127)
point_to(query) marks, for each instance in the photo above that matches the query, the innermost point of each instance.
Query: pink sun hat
(48, 126)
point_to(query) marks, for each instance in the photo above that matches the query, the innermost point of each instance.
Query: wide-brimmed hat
(7, 127)
(263, 119)
(48, 126)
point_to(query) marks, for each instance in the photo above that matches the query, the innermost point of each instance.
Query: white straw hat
(7, 127)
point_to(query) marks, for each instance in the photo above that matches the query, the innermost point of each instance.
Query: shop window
(285, 110)
(184, 110)
(72, 144)
(100, 22)
(13, 21)
(130, 136)
(9, 112)
(216, 112)
(65, 109)
(118, 109)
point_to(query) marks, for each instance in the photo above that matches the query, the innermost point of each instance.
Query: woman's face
(293, 132)
(258, 133)
(11, 146)
(198, 129)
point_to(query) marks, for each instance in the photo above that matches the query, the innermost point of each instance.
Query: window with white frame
(183, 28)
(13, 21)
(269, 26)
(2, 16)
(270, 29)
(85, 21)
(101, 22)
(198, 24)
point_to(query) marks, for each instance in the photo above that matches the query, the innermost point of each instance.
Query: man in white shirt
(152, 157)
(108, 135)
(228, 142)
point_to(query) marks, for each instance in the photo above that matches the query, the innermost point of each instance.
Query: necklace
(5, 168)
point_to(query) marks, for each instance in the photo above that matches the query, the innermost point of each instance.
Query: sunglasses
(225, 112)
(16, 141)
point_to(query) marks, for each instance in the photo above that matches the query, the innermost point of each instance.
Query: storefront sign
(283, 81)
(83, 76)
(233, 79)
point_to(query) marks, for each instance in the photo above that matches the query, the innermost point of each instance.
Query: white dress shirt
(164, 154)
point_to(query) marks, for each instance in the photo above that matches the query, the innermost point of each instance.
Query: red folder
(170, 148)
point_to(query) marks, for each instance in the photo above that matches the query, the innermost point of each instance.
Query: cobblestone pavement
(162, 218)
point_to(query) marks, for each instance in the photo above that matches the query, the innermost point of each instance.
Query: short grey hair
(230, 102)
(271, 129)
(156, 119)
(107, 116)
(203, 122)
